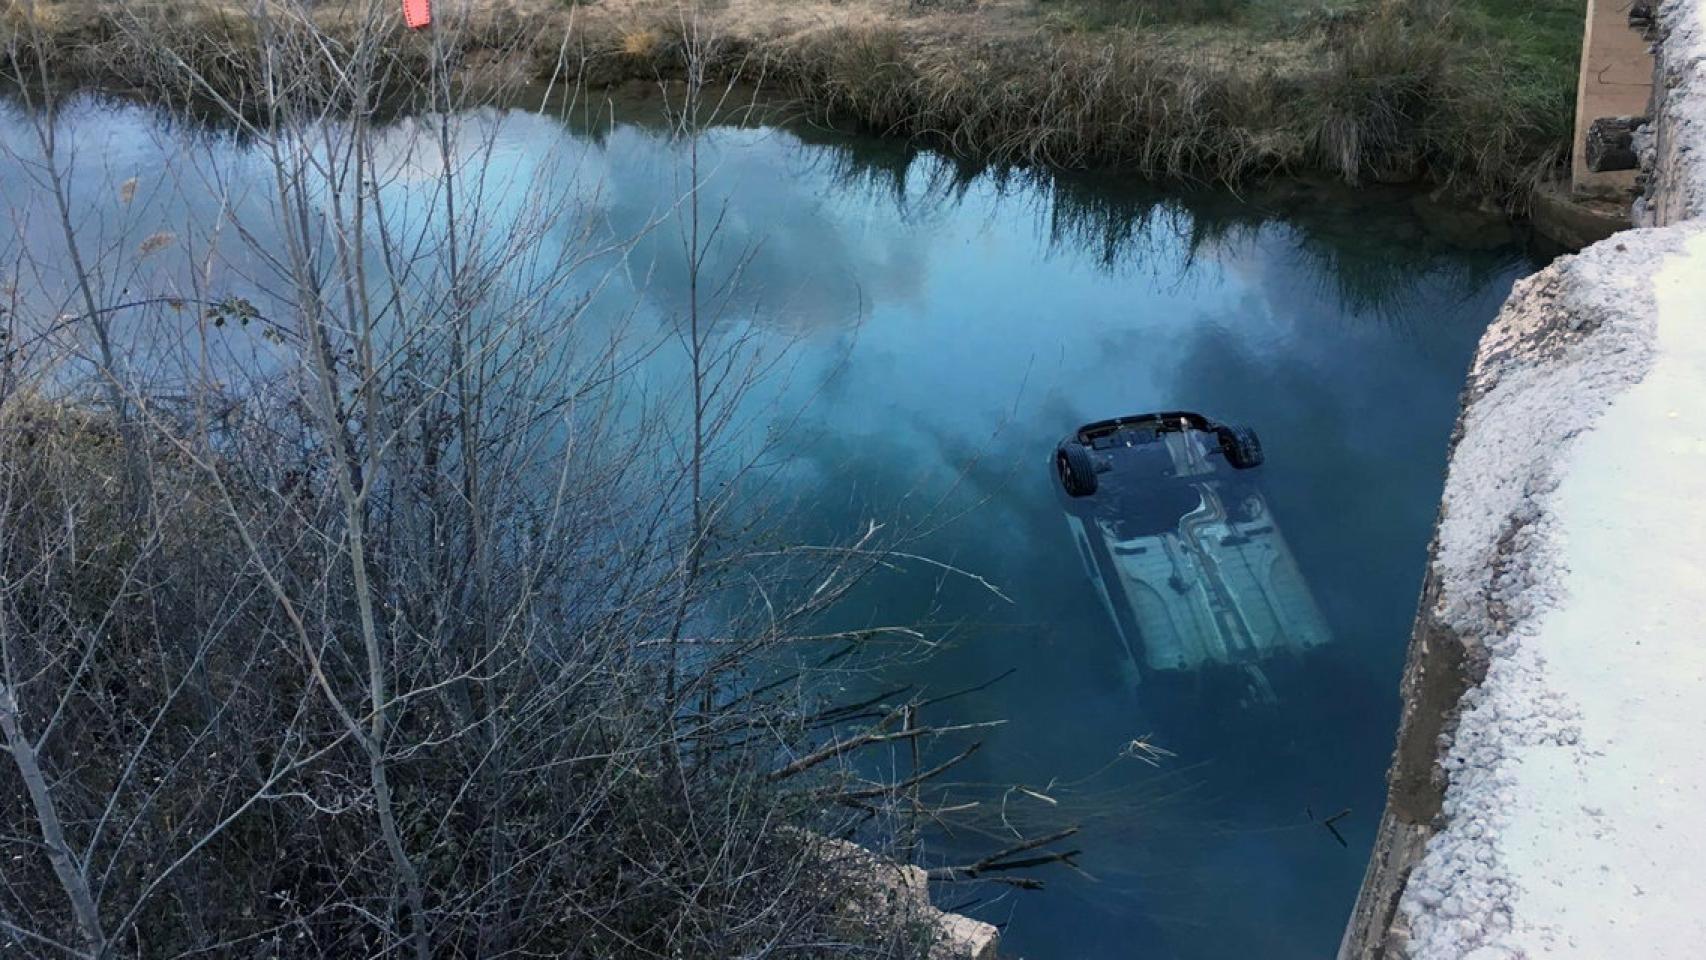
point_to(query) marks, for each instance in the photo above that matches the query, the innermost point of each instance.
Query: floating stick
(1334, 819)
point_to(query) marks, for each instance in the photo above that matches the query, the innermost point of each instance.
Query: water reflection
(1342, 332)
(1127, 223)
(943, 325)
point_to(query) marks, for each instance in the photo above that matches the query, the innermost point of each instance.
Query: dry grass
(641, 43)
(1394, 91)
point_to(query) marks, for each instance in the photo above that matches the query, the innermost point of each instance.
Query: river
(937, 327)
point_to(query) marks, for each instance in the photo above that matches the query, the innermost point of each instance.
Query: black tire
(1243, 449)
(1076, 469)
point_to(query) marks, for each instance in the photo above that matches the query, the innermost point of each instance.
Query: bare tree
(414, 630)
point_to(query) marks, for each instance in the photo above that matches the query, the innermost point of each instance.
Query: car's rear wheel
(1076, 468)
(1243, 449)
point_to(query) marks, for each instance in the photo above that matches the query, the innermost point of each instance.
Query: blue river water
(936, 328)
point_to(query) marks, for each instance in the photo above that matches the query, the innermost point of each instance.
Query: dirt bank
(1218, 90)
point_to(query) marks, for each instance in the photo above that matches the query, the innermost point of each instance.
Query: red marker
(417, 13)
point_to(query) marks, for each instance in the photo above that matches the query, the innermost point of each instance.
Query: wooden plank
(1616, 81)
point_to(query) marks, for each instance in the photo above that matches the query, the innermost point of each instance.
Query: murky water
(942, 328)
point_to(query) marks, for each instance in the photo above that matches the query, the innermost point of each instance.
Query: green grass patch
(1091, 16)
(1478, 93)
(1540, 40)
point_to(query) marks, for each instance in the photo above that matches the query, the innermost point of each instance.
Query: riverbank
(1550, 753)
(1473, 95)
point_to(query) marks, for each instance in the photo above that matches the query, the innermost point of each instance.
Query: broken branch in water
(913, 781)
(872, 736)
(883, 557)
(977, 688)
(999, 861)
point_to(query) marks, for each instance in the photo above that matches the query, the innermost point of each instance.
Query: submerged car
(1182, 548)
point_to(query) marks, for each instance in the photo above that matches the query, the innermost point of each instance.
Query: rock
(1611, 143)
(904, 889)
(1576, 222)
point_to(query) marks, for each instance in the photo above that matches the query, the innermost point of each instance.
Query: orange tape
(417, 13)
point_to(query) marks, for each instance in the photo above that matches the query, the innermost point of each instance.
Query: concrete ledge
(1574, 222)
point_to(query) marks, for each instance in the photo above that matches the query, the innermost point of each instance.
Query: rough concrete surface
(1562, 474)
(1676, 163)
(903, 890)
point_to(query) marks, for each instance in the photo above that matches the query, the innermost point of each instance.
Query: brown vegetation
(1395, 90)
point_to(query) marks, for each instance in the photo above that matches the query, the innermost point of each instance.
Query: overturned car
(1182, 548)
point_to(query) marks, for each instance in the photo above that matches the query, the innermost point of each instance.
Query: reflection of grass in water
(1365, 249)
(915, 180)
(862, 167)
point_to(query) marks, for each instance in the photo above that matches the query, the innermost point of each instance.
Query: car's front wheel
(1243, 449)
(1076, 468)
